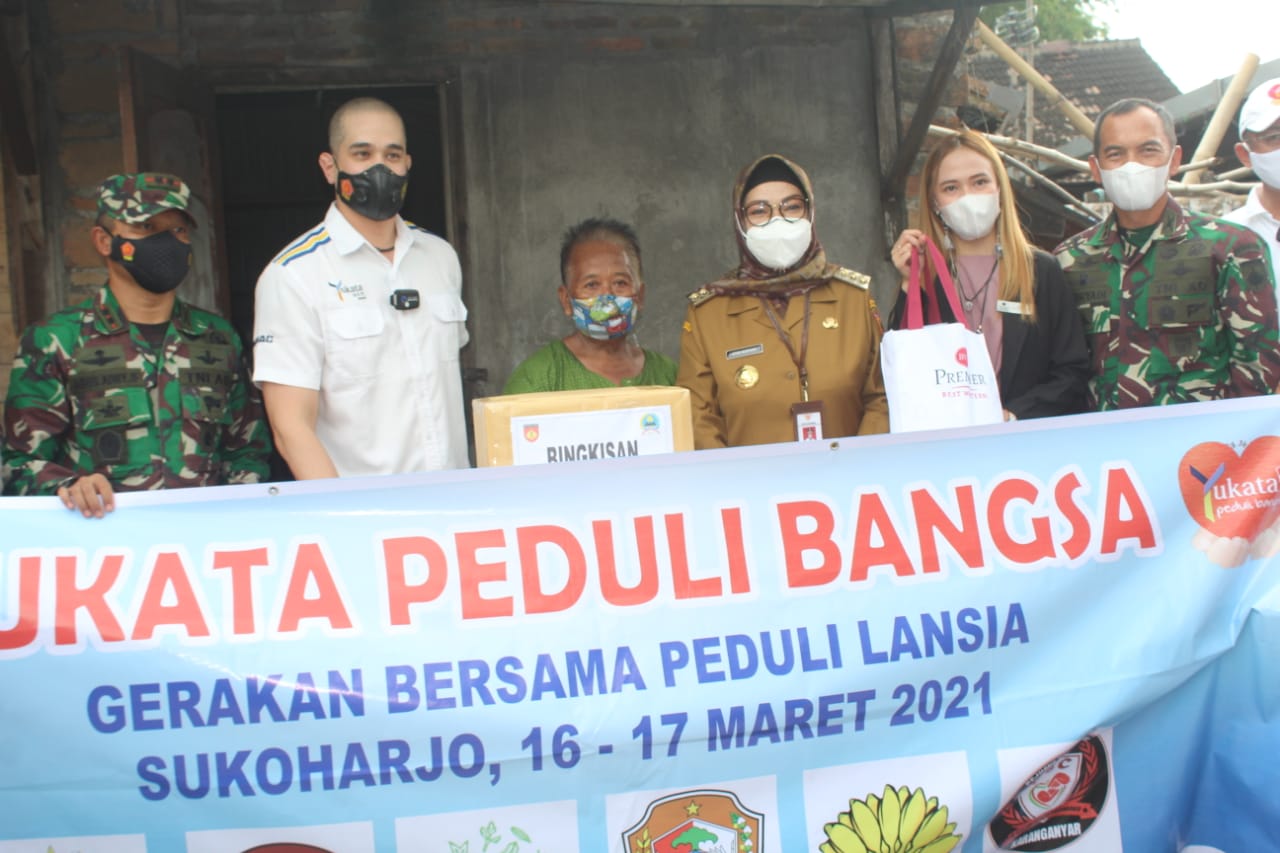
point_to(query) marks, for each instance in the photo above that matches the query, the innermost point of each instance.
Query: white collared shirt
(389, 380)
(1256, 217)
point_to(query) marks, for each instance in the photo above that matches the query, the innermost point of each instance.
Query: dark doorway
(273, 190)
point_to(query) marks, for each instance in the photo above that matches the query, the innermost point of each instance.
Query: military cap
(136, 198)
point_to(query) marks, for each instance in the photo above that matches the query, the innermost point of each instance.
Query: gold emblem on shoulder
(853, 277)
(699, 296)
(830, 323)
(746, 377)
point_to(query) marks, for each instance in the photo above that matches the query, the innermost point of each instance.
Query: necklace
(390, 248)
(968, 299)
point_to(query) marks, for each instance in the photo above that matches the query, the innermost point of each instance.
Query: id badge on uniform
(808, 420)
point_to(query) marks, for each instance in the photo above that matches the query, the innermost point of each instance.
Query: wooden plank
(885, 92)
(13, 118)
(949, 54)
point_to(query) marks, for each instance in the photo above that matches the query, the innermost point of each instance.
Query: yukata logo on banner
(900, 820)
(1059, 803)
(702, 821)
(1233, 493)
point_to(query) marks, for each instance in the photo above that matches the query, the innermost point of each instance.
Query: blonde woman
(1011, 292)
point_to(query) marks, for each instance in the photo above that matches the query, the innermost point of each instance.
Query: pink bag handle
(915, 318)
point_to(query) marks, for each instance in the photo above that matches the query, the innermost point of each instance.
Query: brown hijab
(752, 277)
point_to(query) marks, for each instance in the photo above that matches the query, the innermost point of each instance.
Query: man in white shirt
(1259, 148)
(359, 321)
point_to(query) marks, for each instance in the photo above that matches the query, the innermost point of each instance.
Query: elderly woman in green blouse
(602, 292)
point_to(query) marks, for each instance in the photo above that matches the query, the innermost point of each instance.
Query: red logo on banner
(531, 432)
(1059, 803)
(1230, 493)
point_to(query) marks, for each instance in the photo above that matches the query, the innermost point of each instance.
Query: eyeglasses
(792, 208)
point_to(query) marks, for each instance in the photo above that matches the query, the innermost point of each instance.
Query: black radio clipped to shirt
(405, 300)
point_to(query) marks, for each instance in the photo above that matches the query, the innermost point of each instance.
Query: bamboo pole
(1069, 202)
(1222, 116)
(1008, 143)
(1205, 189)
(1196, 164)
(1017, 63)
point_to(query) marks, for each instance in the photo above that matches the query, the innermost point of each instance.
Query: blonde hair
(1017, 263)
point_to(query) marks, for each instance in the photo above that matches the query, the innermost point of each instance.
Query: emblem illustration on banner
(1059, 803)
(286, 847)
(530, 432)
(702, 820)
(649, 423)
(1233, 492)
(902, 820)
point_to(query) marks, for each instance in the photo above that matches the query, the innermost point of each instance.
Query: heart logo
(962, 356)
(1232, 494)
(1046, 792)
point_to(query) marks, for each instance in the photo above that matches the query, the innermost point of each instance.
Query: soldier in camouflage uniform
(132, 389)
(1177, 306)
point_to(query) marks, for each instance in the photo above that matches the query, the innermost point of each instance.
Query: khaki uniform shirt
(743, 381)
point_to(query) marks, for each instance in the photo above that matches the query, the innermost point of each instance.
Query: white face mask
(1134, 186)
(1266, 167)
(779, 244)
(972, 216)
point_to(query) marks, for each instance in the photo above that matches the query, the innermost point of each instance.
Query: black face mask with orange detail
(158, 263)
(376, 193)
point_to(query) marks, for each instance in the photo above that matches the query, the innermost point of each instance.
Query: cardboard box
(568, 426)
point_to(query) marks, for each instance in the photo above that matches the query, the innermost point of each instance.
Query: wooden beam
(885, 91)
(952, 46)
(13, 118)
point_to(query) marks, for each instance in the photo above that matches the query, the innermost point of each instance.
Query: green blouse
(555, 368)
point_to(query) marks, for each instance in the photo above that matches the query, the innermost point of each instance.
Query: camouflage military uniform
(1190, 315)
(89, 394)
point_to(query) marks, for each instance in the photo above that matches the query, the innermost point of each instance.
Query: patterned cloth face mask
(605, 317)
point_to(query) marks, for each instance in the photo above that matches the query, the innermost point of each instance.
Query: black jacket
(1044, 366)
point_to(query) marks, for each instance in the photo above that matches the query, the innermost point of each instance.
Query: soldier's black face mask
(158, 263)
(377, 192)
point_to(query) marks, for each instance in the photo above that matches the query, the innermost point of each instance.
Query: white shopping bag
(940, 375)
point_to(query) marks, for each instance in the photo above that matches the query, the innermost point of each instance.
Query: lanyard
(786, 340)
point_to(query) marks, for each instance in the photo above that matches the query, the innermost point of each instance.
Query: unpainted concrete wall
(658, 145)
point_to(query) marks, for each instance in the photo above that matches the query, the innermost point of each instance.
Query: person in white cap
(1259, 149)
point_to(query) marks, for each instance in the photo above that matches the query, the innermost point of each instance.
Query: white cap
(1261, 108)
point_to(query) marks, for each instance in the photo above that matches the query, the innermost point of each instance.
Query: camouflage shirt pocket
(1179, 310)
(206, 415)
(113, 426)
(1181, 290)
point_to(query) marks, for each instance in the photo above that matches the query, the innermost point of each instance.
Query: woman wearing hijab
(601, 291)
(785, 346)
(1012, 293)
